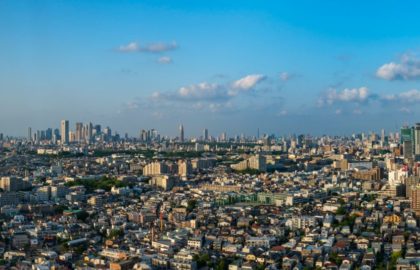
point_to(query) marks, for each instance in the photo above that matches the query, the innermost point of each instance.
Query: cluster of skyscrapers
(410, 140)
(83, 133)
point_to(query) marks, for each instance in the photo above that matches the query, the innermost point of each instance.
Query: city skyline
(84, 132)
(319, 68)
(81, 131)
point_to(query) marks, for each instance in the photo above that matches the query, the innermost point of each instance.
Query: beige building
(184, 168)
(11, 183)
(415, 199)
(257, 162)
(165, 182)
(155, 168)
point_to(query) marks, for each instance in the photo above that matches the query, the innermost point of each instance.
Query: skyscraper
(417, 139)
(181, 133)
(79, 132)
(415, 199)
(89, 133)
(407, 140)
(65, 131)
(206, 134)
(407, 134)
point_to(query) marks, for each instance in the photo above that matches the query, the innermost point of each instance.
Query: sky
(314, 67)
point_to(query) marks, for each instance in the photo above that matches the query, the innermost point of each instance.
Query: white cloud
(202, 90)
(407, 69)
(206, 91)
(248, 82)
(204, 96)
(165, 60)
(130, 47)
(410, 96)
(152, 48)
(347, 95)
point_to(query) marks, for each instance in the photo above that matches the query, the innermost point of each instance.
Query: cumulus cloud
(165, 60)
(208, 92)
(204, 90)
(408, 68)
(245, 84)
(410, 96)
(204, 96)
(347, 95)
(248, 82)
(157, 47)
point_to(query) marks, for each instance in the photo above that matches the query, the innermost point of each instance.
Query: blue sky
(320, 67)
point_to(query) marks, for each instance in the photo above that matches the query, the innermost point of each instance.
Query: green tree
(222, 265)
(191, 205)
(82, 215)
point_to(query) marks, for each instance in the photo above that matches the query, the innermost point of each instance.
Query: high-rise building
(415, 199)
(181, 133)
(48, 134)
(29, 134)
(184, 168)
(79, 132)
(89, 133)
(407, 134)
(383, 136)
(417, 139)
(408, 149)
(65, 131)
(223, 137)
(206, 134)
(97, 129)
(107, 133)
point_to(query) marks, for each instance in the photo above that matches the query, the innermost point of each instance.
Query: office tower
(223, 137)
(49, 134)
(65, 131)
(206, 134)
(181, 133)
(107, 133)
(89, 133)
(79, 132)
(38, 137)
(417, 139)
(143, 135)
(1, 136)
(29, 134)
(408, 149)
(383, 136)
(155, 135)
(407, 134)
(415, 199)
(72, 136)
(97, 129)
